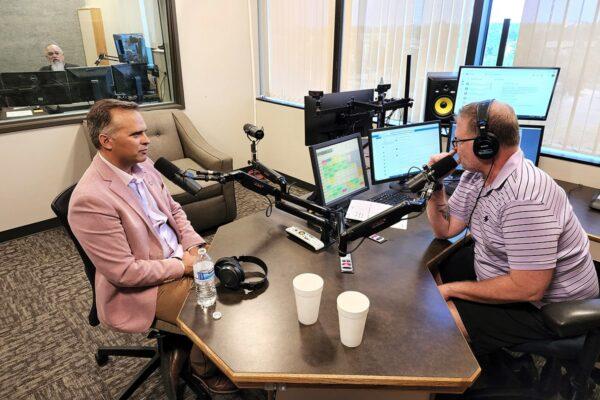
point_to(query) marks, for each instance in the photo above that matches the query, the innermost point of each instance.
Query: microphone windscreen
(444, 166)
(166, 167)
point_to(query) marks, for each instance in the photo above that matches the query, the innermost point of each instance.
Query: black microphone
(254, 131)
(432, 174)
(175, 175)
(100, 58)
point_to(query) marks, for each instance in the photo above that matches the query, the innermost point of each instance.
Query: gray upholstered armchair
(173, 137)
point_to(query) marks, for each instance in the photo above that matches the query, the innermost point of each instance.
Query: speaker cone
(442, 107)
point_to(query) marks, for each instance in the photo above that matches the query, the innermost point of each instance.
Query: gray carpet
(46, 344)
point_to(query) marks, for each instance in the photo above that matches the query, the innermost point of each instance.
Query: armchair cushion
(572, 318)
(209, 189)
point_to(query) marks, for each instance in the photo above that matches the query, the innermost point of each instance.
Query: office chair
(164, 333)
(577, 325)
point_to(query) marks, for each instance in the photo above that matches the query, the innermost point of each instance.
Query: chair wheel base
(101, 359)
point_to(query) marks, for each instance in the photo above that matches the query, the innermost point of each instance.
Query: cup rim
(363, 305)
(312, 289)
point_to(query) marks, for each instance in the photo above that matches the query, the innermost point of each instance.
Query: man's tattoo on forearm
(444, 210)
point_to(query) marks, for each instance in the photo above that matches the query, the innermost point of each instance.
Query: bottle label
(204, 276)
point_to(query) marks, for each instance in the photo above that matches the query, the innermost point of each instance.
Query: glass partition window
(88, 50)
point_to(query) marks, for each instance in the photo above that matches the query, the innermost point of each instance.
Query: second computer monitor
(90, 83)
(401, 151)
(531, 141)
(339, 170)
(34, 88)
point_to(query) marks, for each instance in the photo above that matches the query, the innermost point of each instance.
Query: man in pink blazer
(137, 236)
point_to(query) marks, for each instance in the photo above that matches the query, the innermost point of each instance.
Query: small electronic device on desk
(397, 153)
(595, 203)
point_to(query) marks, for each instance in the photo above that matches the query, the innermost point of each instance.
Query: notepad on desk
(20, 113)
(361, 210)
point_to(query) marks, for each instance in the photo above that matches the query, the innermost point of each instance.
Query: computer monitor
(531, 142)
(35, 88)
(323, 126)
(131, 48)
(339, 170)
(528, 90)
(400, 151)
(131, 80)
(90, 83)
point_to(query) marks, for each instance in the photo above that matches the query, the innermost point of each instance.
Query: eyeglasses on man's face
(456, 141)
(51, 53)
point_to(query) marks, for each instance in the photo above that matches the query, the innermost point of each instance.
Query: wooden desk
(580, 197)
(410, 338)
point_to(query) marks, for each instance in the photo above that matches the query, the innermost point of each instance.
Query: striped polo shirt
(524, 221)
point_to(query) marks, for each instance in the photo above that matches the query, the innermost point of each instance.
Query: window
(296, 46)
(79, 51)
(510, 10)
(379, 34)
(562, 34)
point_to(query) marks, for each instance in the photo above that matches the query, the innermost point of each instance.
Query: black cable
(357, 246)
(477, 199)
(269, 209)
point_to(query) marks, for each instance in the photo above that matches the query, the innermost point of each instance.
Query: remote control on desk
(305, 237)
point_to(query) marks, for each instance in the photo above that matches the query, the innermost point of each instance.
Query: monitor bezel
(519, 116)
(313, 132)
(539, 149)
(372, 159)
(317, 175)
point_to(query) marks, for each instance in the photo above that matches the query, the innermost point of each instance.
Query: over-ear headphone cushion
(229, 272)
(486, 146)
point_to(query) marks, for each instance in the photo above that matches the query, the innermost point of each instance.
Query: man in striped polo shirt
(528, 247)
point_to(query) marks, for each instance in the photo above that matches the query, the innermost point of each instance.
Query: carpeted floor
(46, 344)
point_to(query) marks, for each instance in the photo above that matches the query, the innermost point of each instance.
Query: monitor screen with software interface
(339, 169)
(396, 150)
(527, 89)
(531, 142)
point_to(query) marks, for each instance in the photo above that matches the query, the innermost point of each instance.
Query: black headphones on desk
(232, 276)
(485, 145)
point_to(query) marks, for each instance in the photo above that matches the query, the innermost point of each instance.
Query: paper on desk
(14, 114)
(361, 210)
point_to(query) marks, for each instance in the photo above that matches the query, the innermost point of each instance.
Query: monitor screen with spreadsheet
(528, 90)
(339, 169)
(531, 142)
(396, 150)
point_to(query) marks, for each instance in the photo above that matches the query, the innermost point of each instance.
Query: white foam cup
(307, 289)
(353, 308)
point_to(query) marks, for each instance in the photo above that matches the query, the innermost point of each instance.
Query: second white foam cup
(353, 308)
(307, 290)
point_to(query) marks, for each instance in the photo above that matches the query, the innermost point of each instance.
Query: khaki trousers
(170, 299)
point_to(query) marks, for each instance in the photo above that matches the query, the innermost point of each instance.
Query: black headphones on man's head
(232, 276)
(485, 145)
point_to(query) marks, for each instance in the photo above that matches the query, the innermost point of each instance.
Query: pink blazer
(109, 222)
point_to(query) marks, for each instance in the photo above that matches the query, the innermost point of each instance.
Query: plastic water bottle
(204, 277)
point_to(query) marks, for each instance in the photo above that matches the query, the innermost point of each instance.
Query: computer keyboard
(391, 197)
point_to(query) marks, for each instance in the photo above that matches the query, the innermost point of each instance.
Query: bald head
(54, 54)
(502, 122)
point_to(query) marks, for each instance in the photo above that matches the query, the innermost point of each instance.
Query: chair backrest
(60, 206)
(162, 131)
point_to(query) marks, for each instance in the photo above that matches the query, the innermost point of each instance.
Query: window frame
(178, 102)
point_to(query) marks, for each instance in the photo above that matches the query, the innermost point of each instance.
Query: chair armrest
(197, 148)
(572, 318)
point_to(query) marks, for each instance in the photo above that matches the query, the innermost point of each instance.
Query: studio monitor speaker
(441, 93)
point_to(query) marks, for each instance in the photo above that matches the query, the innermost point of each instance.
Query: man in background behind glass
(56, 59)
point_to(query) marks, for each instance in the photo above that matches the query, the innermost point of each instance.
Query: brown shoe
(216, 384)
